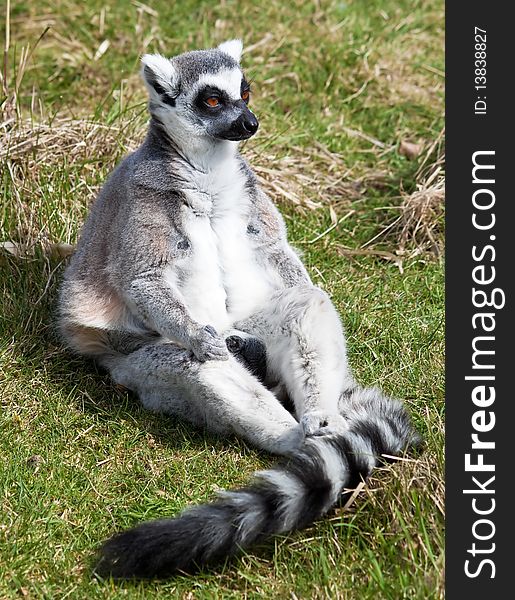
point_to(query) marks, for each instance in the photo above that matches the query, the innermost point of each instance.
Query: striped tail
(287, 497)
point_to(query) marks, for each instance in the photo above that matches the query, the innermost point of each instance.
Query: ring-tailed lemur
(182, 251)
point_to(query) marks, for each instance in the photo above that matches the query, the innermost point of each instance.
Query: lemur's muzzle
(242, 128)
(246, 125)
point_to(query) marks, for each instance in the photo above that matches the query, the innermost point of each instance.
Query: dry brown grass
(308, 178)
(420, 225)
(421, 219)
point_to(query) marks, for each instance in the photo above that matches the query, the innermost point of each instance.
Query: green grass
(80, 459)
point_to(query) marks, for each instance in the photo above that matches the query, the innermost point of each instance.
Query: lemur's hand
(206, 344)
(322, 423)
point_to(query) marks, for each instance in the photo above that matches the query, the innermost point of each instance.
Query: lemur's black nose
(245, 126)
(250, 124)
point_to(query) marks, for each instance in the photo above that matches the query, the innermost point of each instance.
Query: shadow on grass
(34, 352)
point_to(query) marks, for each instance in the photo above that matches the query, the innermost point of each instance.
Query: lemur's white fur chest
(222, 280)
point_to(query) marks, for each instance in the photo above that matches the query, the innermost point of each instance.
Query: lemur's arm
(282, 257)
(288, 265)
(141, 264)
(161, 308)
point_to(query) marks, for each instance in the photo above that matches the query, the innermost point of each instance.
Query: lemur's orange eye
(245, 95)
(212, 101)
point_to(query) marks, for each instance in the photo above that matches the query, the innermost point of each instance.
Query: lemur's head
(201, 94)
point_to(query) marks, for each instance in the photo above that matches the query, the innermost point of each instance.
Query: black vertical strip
(479, 120)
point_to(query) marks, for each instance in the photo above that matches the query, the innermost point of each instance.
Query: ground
(350, 100)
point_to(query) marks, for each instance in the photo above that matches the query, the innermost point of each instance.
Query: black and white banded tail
(287, 497)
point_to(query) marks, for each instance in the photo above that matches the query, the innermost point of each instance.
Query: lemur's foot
(322, 423)
(208, 345)
(250, 351)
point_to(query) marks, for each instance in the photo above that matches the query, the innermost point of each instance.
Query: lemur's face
(220, 104)
(202, 94)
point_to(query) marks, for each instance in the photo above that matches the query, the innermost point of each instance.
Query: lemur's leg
(306, 350)
(221, 395)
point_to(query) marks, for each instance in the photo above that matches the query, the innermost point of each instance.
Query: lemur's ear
(233, 48)
(161, 77)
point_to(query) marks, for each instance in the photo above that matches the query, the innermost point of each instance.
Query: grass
(340, 88)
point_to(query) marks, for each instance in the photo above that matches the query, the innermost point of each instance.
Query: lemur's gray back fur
(183, 253)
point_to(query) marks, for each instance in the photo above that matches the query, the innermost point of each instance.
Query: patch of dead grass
(420, 225)
(308, 178)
